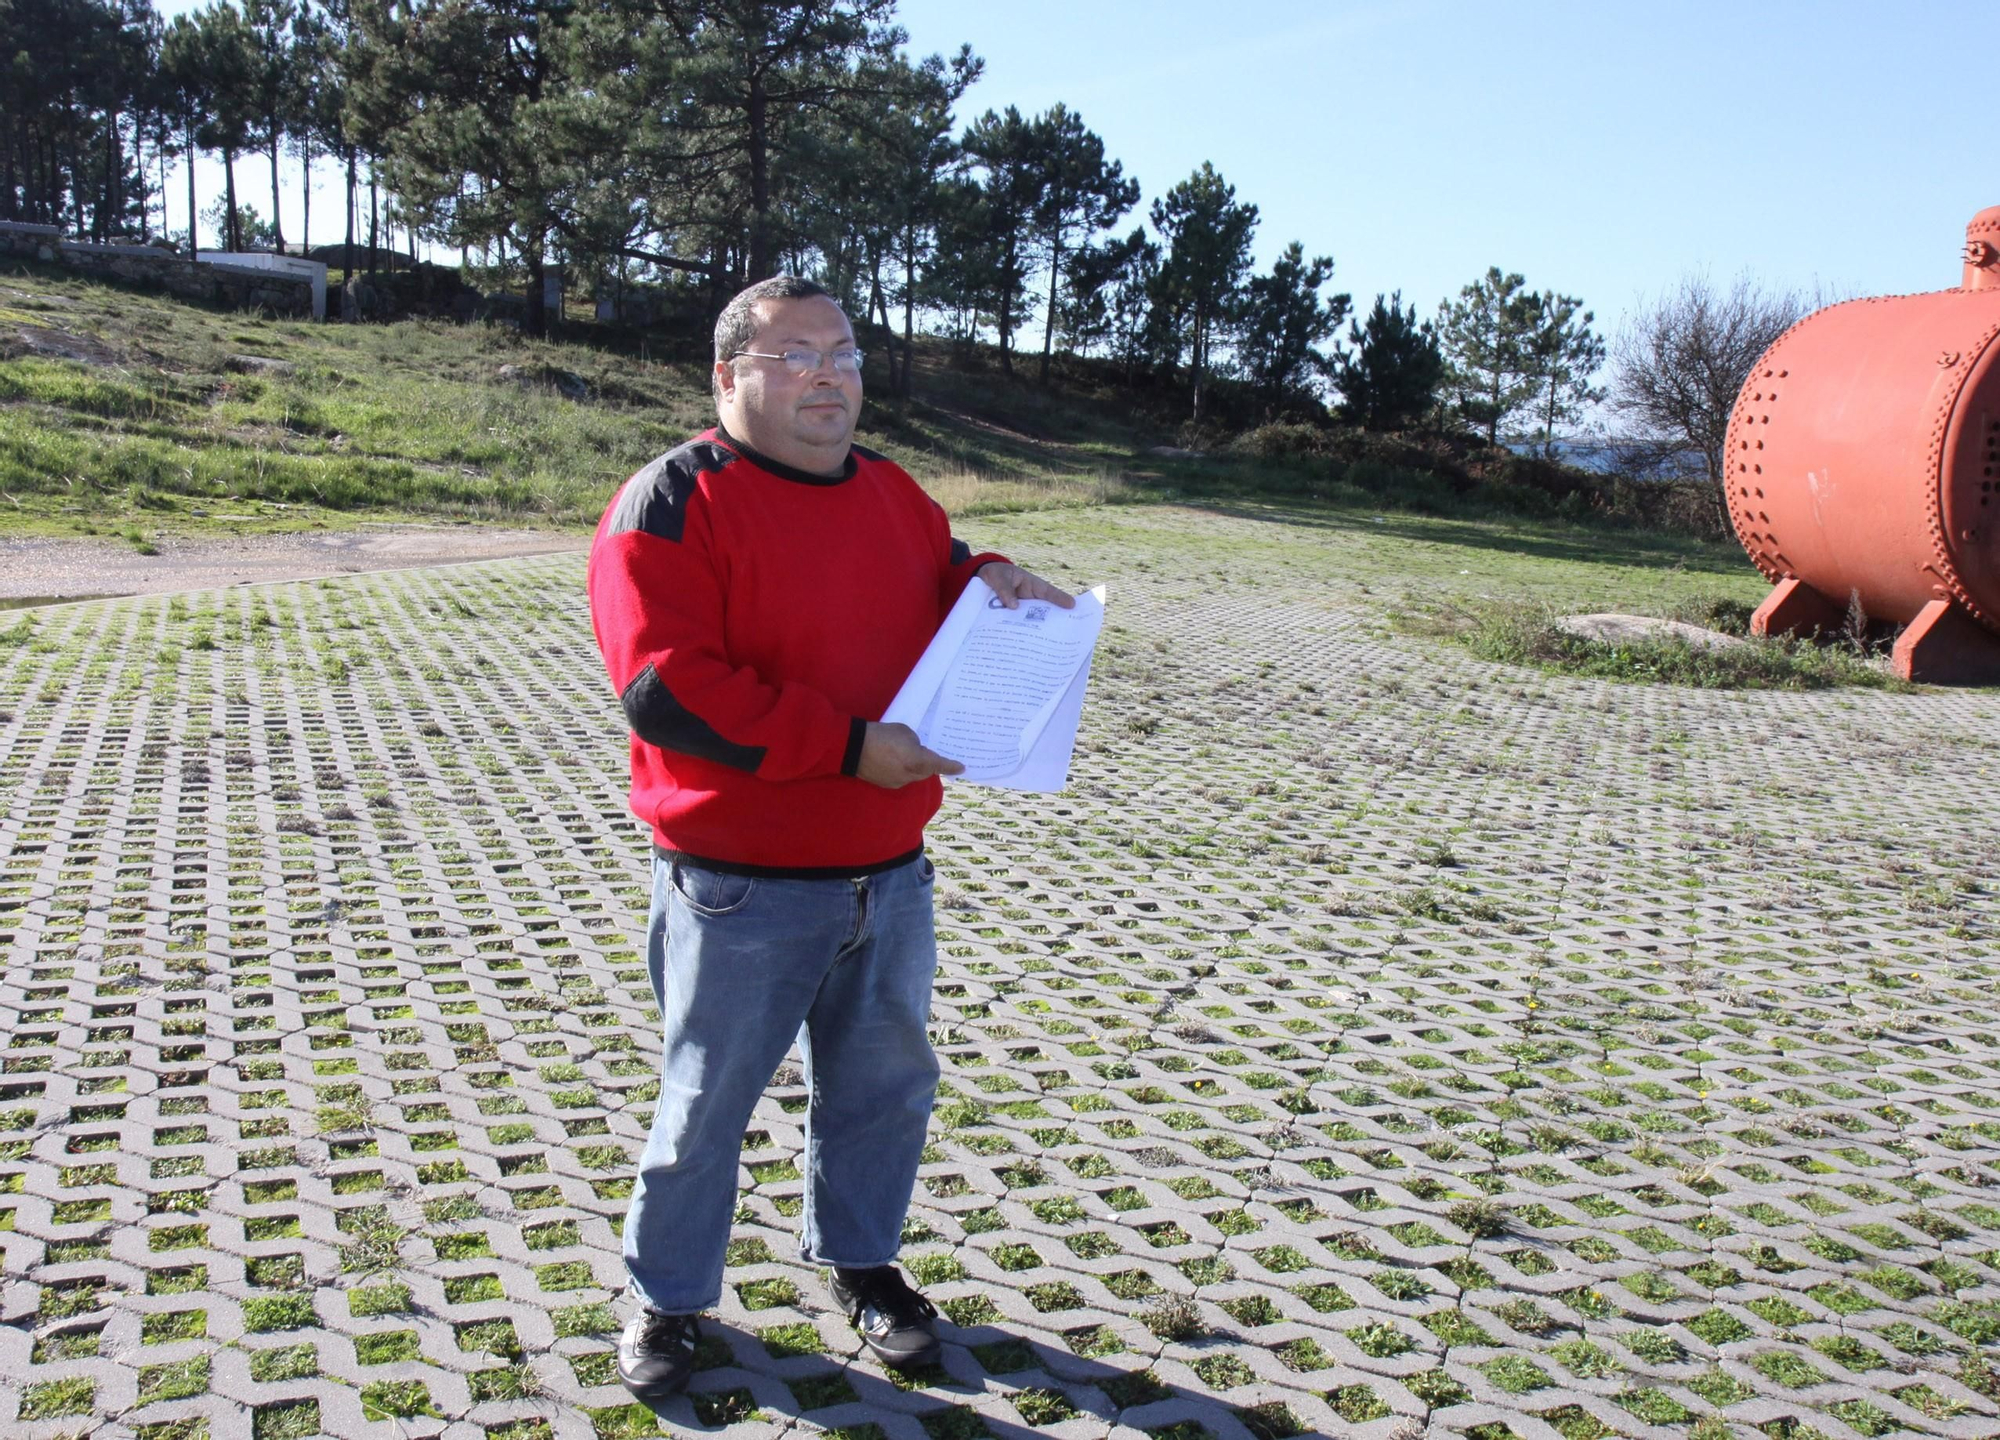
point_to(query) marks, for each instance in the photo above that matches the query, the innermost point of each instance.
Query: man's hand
(892, 757)
(1013, 585)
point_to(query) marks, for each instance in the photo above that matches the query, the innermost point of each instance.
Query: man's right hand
(892, 757)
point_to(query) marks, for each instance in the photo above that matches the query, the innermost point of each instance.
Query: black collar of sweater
(782, 470)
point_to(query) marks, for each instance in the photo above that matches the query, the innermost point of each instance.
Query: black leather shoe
(894, 1320)
(656, 1354)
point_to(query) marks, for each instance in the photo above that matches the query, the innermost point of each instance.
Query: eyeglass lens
(804, 362)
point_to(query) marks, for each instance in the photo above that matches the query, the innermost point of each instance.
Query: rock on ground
(1615, 629)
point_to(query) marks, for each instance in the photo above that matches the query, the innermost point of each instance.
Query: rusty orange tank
(1864, 460)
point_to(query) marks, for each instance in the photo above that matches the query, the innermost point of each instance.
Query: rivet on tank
(1863, 461)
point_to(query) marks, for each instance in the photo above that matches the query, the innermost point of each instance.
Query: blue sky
(1600, 149)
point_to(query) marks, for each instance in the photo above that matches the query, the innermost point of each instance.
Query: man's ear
(725, 379)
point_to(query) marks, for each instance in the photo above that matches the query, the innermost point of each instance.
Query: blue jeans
(742, 965)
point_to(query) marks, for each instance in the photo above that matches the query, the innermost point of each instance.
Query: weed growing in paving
(1528, 634)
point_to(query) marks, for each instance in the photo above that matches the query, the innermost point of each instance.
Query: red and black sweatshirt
(754, 618)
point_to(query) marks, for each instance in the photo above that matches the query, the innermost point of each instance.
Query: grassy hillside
(123, 413)
(137, 418)
(120, 409)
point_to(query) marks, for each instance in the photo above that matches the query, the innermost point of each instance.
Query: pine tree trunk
(722, 275)
(1049, 328)
(374, 215)
(194, 245)
(909, 318)
(1199, 355)
(110, 208)
(875, 302)
(1005, 318)
(231, 230)
(306, 225)
(760, 183)
(139, 166)
(277, 225)
(536, 321)
(347, 263)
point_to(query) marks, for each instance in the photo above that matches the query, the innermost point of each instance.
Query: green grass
(278, 1312)
(54, 1398)
(413, 419)
(1525, 632)
(387, 1399)
(285, 1420)
(289, 1362)
(390, 1299)
(386, 1348)
(173, 1382)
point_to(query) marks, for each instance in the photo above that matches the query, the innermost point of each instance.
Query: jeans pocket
(926, 872)
(712, 892)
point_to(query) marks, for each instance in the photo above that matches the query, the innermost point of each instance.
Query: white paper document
(1001, 691)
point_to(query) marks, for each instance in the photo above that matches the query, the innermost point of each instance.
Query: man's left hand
(1013, 585)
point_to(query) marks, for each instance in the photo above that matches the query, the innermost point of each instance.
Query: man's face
(788, 416)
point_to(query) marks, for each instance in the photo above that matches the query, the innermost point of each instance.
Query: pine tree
(73, 75)
(269, 27)
(1207, 236)
(919, 137)
(315, 99)
(717, 170)
(1110, 288)
(1563, 354)
(187, 93)
(1390, 379)
(964, 277)
(1083, 193)
(227, 60)
(1006, 147)
(1484, 336)
(866, 192)
(463, 100)
(1284, 324)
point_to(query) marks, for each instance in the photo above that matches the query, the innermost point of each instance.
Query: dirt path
(33, 568)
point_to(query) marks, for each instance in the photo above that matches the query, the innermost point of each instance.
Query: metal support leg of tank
(1946, 646)
(1795, 608)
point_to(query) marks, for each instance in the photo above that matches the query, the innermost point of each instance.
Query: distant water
(1600, 457)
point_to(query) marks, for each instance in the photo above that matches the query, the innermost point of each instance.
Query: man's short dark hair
(735, 325)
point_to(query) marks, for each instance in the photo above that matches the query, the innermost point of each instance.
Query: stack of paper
(1001, 691)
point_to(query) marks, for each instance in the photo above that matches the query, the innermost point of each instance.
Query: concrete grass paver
(1371, 1041)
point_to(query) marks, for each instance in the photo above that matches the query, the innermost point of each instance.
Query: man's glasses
(804, 362)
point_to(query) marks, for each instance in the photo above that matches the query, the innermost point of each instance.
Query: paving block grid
(1371, 1041)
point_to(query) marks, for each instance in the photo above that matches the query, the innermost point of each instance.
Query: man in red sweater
(759, 594)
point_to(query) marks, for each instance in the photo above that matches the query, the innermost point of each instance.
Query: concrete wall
(277, 283)
(311, 271)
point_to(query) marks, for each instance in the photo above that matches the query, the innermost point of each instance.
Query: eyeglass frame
(826, 358)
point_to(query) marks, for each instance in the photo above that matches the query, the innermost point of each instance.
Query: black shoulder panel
(658, 718)
(960, 551)
(865, 453)
(655, 500)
